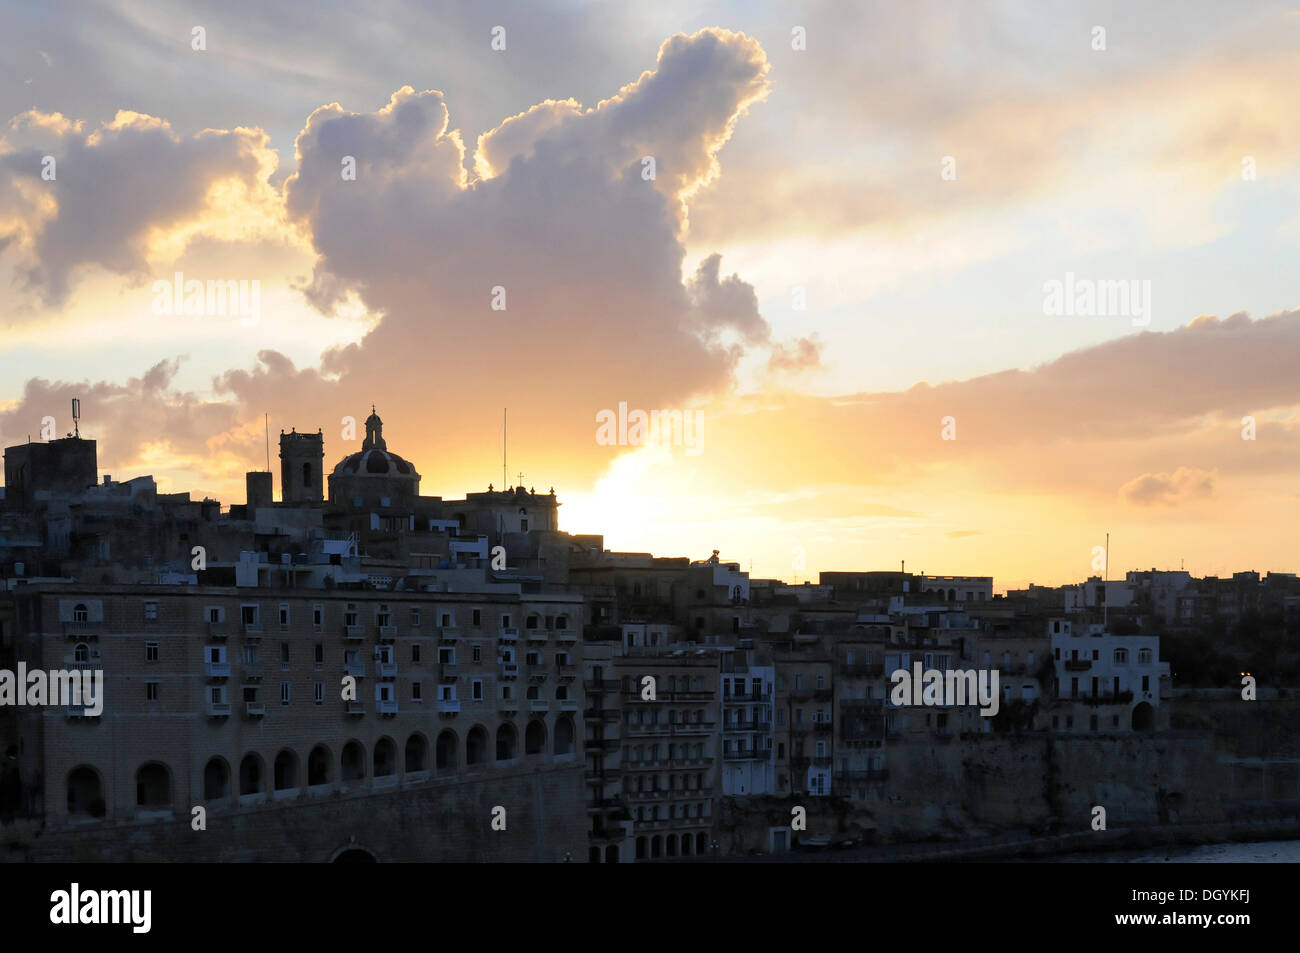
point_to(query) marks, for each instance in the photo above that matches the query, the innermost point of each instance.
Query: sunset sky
(799, 270)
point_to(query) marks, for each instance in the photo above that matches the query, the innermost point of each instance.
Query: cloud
(1184, 485)
(121, 189)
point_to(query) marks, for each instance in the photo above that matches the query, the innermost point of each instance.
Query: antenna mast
(504, 422)
(266, 422)
(76, 416)
(1105, 602)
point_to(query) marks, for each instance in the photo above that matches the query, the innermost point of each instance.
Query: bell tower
(302, 463)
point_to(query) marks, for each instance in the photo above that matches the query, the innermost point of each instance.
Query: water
(1260, 852)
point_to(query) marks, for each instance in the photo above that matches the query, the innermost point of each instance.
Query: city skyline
(838, 262)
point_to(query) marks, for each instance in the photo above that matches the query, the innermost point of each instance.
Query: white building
(1092, 663)
(747, 731)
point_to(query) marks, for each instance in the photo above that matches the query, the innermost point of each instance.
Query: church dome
(374, 458)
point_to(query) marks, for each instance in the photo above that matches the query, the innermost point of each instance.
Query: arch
(355, 855)
(564, 735)
(85, 792)
(81, 653)
(535, 737)
(687, 842)
(444, 752)
(507, 742)
(952, 595)
(319, 762)
(417, 753)
(701, 843)
(216, 780)
(250, 774)
(476, 745)
(641, 848)
(593, 854)
(153, 786)
(670, 845)
(611, 853)
(286, 770)
(530, 622)
(353, 762)
(1144, 717)
(385, 758)
(80, 613)
(656, 848)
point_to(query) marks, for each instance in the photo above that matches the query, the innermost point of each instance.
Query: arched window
(476, 745)
(216, 780)
(250, 774)
(385, 757)
(445, 751)
(535, 737)
(507, 742)
(417, 753)
(353, 762)
(286, 770)
(153, 789)
(81, 653)
(318, 766)
(80, 613)
(85, 795)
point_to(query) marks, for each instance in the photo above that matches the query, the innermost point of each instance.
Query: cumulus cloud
(119, 189)
(1186, 484)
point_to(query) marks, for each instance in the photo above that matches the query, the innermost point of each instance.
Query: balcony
(80, 711)
(596, 685)
(218, 630)
(216, 669)
(539, 704)
(252, 630)
(387, 706)
(508, 706)
(355, 669)
(447, 672)
(862, 671)
(354, 633)
(507, 634)
(1078, 665)
(568, 705)
(354, 708)
(253, 672)
(536, 635)
(448, 633)
(601, 744)
(567, 673)
(509, 670)
(387, 633)
(449, 706)
(218, 709)
(566, 636)
(81, 630)
(822, 762)
(823, 727)
(254, 709)
(387, 669)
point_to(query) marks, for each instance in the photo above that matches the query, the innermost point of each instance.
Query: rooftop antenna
(266, 421)
(76, 416)
(504, 422)
(1105, 603)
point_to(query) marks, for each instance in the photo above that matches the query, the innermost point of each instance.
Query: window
(151, 611)
(284, 693)
(1121, 656)
(318, 617)
(821, 681)
(284, 656)
(477, 653)
(284, 615)
(1144, 656)
(476, 690)
(151, 691)
(80, 613)
(415, 618)
(561, 693)
(81, 653)
(446, 655)
(320, 656)
(415, 652)
(798, 683)
(216, 614)
(248, 615)
(383, 617)
(448, 621)
(350, 616)
(319, 690)
(151, 651)
(416, 692)
(478, 619)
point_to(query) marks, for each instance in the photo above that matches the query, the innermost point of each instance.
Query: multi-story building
(1105, 682)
